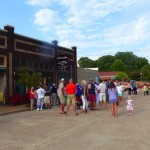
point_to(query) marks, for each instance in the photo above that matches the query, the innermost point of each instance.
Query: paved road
(96, 130)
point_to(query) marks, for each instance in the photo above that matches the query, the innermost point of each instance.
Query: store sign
(62, 63)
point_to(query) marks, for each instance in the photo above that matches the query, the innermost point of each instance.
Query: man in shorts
(40, 100)
(61, 96)
(102, 90)
(71, 91)
(47, 102)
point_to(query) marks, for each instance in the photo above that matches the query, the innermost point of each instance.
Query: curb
(12, 112)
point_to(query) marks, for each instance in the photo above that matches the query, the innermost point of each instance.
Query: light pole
(141, 76)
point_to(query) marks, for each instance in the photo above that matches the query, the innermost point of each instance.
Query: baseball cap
(62, 79)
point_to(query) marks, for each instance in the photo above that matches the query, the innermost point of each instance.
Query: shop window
(23, 62)
(17, 62)
(36, 65)
(47, 66)
(41, 65)
(2, 61)
(30, 63)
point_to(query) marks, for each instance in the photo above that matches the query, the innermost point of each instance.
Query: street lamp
(141, 76)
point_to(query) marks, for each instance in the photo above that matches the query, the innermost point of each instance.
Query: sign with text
(62, 63)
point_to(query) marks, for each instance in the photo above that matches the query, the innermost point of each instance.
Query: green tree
(140, 62)
(104, 63)
(121, 76)
(131, 61)
(146, 72)
(27, 78)
(135, 75)
(118, 65)
(85, 62)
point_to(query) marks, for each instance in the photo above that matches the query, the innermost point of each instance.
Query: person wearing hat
(61, 96)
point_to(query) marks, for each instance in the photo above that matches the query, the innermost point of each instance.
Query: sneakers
(37, 109)
(41, 109)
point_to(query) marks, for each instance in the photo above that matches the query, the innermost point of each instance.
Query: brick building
(107, 75)
(42, 57)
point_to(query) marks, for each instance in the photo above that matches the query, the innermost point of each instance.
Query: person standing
(129, 106)
(129, 88)
(134, 85)
(84, 96)
(97, 92)
(31, 97)
(47, 101)
(60, 92)
(40, 101)
(120, 90)
(113, 98)
(78, 95)
(92, 94)
(102, 89)
(71, 91)
(145, 89)
(54, 94)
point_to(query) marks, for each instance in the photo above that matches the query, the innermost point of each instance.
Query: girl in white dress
(129, 106)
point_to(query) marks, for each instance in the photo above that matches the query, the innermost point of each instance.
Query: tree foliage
(146, 72)
(27, 78)
(105, 62)
(121, 76)
(118, 65)
(85, 62)
(135, 75)
(131, 62)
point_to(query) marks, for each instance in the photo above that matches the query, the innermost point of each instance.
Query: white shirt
(120, 89)
(41, 92)
(102, 88)
(96, 88)
(61, 86)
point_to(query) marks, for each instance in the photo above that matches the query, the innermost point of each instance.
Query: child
(145, 89)
(129, 106)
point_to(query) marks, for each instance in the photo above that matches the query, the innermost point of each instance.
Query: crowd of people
(87, 96)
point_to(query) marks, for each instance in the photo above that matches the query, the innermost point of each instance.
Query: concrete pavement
(5, 110)
(96, 130)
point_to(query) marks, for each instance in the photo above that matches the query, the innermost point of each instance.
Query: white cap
(62, 79)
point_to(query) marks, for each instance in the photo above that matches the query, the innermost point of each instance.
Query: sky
(95, 27)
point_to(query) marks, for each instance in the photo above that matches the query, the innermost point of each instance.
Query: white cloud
(42, 3)
(82, 23)
(46, 18)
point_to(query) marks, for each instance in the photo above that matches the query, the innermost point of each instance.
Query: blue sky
(96, 27)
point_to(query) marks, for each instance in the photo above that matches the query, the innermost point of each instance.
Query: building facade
(87, 74)
(51, 61)
(107, 75)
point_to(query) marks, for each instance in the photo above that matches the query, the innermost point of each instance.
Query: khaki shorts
(62, 99)
(71, 99)
(102, 97)
(46, 99)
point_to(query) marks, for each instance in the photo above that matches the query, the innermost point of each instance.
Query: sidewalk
(5, 110)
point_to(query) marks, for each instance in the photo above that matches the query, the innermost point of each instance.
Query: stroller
(78, 96)
(78, 102)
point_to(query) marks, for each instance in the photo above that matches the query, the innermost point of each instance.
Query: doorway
(2, 86)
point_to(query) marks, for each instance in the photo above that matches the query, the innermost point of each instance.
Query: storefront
(35, 56)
